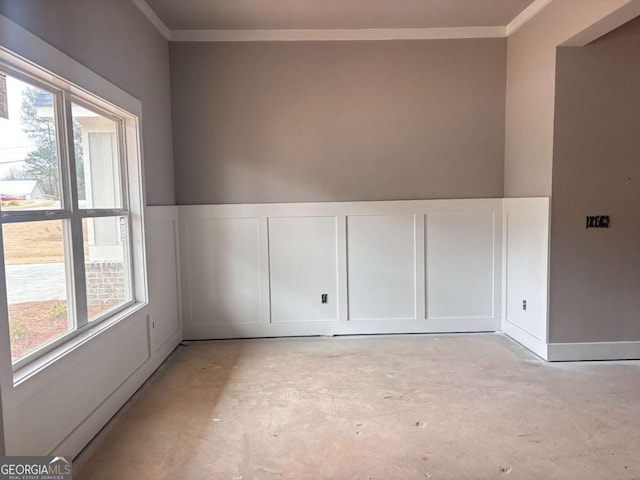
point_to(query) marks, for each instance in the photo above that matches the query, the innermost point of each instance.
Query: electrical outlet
(325, 298)
(524, 305)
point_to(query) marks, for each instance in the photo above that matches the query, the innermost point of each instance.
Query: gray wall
(115, 40)
(338, 121)
(531, 68)
(595, 274)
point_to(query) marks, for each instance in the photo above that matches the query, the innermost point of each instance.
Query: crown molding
(155, 20)
(335, 34)
(526, 15)
(299, 35)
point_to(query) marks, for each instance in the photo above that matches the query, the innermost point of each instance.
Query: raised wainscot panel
(54, 401)
(381, 264)
(303, 264)
(224, 271)
(460, 265)
(162, 263)
(526, 245)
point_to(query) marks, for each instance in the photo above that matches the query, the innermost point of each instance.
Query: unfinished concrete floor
(405, 407)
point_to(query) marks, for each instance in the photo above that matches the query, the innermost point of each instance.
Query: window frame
(129, 154)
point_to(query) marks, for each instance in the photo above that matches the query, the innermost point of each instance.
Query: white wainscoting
(224, 283)
(381, 267)
(460, 265)
(386, 267)
(61, 407)
(163, 266)
(303, 266)
(526, 272)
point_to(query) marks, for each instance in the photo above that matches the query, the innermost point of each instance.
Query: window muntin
(96, 221)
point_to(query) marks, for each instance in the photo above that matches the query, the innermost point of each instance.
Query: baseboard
(91, 426)
(526, 339)
(575, 352)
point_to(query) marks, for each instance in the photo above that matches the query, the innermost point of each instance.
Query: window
(65, 208)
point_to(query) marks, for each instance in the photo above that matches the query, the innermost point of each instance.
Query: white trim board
(575, 352)
(526, 339)
(365, 34)
(526, 15)
(155, 20)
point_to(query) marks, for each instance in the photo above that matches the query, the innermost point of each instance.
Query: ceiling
(334, 14)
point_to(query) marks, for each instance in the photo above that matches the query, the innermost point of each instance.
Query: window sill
(41, 363)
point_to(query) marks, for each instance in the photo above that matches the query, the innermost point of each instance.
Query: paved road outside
(36, 282)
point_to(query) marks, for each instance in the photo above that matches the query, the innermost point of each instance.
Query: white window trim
(33, 56)
(26, 45)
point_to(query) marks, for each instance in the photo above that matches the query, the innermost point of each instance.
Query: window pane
(107, 264)
(37, 284)
(97, 159)
(29, 160)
